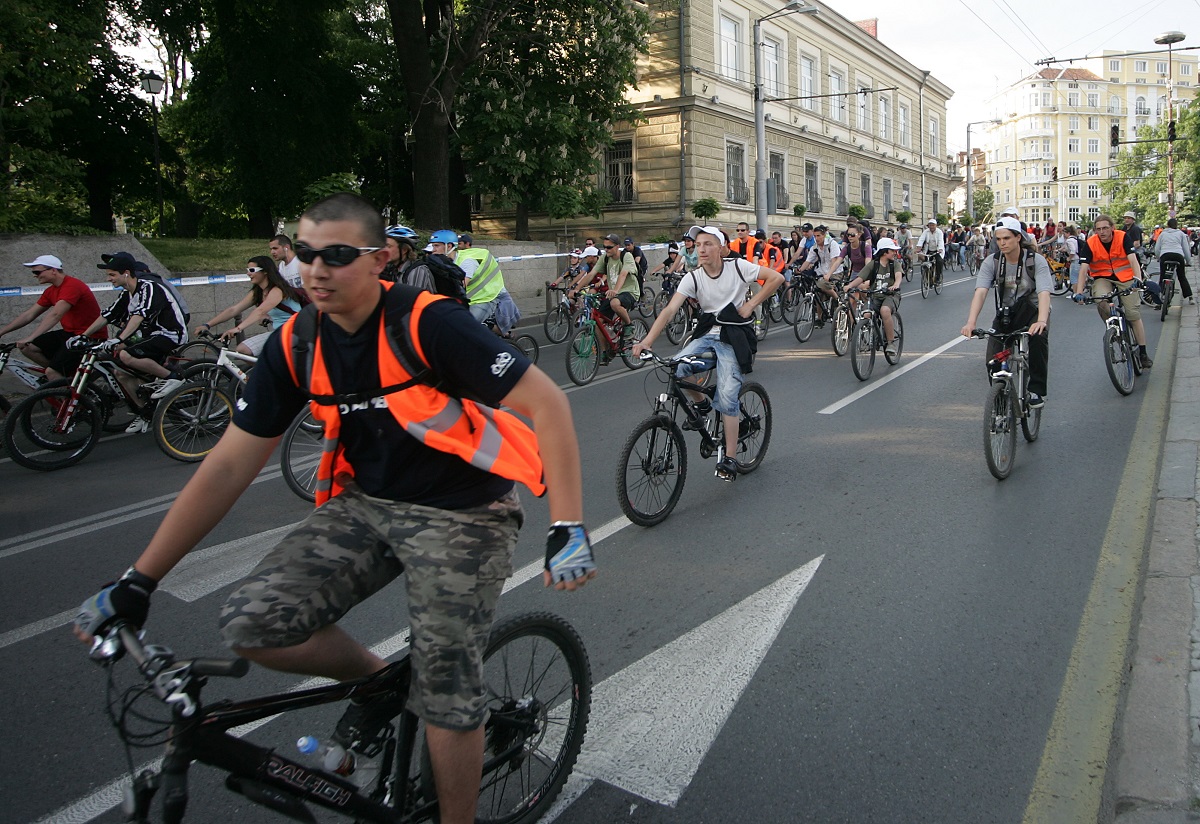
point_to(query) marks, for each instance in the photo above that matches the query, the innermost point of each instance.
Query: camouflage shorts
(456, 562)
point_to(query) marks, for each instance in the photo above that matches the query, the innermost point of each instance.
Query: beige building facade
(848, 122)
(1052, 150)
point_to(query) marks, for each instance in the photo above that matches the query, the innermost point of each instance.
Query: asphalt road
(908, 669)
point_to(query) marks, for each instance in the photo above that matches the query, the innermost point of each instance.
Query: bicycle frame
(28, 373)
(1013, 366)
(676, 398)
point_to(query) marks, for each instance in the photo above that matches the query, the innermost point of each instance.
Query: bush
(904, 217)
(706, 208)
(662, 237)
(799, 209)
(857, 211)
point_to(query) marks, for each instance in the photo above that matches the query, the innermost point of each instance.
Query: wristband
(204, 325)
(137, 579)
(566, 523)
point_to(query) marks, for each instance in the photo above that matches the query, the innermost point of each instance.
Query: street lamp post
(971, 165)
(152, 84)
(1169, 39)
(760, 131)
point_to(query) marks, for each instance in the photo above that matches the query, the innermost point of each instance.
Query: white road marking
(871, 387)
(653, 722)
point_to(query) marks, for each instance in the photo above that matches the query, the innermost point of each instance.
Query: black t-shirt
(1085, 250)
(1133, 234)
(387, 461)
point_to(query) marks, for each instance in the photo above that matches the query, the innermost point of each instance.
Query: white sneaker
(137, 426)
(890, 349)
(166, 387)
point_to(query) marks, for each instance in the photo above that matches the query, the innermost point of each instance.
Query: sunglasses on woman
(338, 254)
(253, 270)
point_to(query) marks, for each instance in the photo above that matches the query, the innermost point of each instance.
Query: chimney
(871, 26)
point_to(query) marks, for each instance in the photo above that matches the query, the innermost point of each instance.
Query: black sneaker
(1146, 361)
(727, 469)
(360, 726)
(702, 409)
(1036, 401)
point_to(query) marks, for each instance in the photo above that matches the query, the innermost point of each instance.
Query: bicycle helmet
(444, 236)
(403, 233)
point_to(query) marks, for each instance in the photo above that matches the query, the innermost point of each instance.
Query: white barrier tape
(209, 280)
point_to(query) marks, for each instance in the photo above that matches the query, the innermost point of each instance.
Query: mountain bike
(598, 339)
(1060, 271)
(30, 374)
(557, 322)
(538, 685)
(1120, 350)
(653, 465)
(869, 336)
(670, 281)
(931, 279)
(300, 454)
(189, 421)
(1007, 401)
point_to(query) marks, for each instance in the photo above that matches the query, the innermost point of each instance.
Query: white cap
(1010, 223)
(591, 251)
(708, 230)
(885, 244)
(49, 261)
(931, 220)
(1011, 211)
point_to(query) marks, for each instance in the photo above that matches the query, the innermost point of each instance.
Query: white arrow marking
(654, 721)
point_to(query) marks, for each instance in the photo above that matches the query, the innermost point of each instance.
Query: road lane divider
(871, 387)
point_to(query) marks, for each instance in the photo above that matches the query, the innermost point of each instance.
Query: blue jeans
(483, 311)
(729, 374)
(1074, 272)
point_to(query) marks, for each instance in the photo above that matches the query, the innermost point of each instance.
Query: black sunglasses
(606, 246)
(338, 254)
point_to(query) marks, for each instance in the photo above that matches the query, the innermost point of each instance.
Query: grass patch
(204, 254)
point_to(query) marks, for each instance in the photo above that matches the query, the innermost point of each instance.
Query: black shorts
(627, 300)
(155, 348)
(53, 344)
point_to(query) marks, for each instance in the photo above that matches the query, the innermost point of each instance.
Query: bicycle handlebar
(1109, 297)
(992, 333)
(690, 360)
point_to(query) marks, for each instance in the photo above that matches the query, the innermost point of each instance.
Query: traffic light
(1115, 133)
(1054, 174)
(1171, 130)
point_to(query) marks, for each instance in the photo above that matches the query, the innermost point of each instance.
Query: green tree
(705, 209)
(1142, 170)
(984, 202)
(536, 113)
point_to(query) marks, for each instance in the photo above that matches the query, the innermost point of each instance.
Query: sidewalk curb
(1155, 778)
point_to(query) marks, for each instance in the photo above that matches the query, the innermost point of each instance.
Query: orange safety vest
(772, 257)
(738, 247)
(490, 439)
(1105, 265)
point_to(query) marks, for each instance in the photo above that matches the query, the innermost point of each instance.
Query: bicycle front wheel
(583, 355)
(926, 280)
(651, 471)
(45, 431)
(898, 331)
(557, 324)
(528, 346)
(634, 333)
(999, 430)
(754, 427)
(538, 684)
(677, 326)
(937, 281)
(1118, 357)
(645, 304)
(788, 302)
(803, 320)
(1031, 424)
(843, 322)
(1062, 282)
(300, 455)
(862, 348)
(189, 422)
(762, 322)
(775, 308)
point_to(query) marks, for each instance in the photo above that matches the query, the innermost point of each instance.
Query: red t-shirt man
(84, 307)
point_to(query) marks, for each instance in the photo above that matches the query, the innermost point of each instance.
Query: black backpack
(448, 277)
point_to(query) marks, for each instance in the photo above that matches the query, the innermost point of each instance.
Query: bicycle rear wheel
(1168, 292)
(189, 422)
(645, 304)
(839, 330)
(45, 433)
(803, 320)
(528, 346)
(1118, 358)
(198, 351)
(1000, 430)
(862, 348)
(898, 331)
(1031, 424)
(762, 322)
(583, 355)
(636, 331)
(557, 324)
(651, 471)
(754, 427)
(677, 326)
(788, 302)
(300, 455)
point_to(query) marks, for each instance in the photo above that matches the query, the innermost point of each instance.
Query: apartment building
(1052, 149)
(848, 121)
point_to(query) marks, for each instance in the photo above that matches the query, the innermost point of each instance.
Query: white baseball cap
(708, 230)
(591, 251)
(1010, 211)
(885, 244)
(49, 261)
(1010, 223)
(931, 220)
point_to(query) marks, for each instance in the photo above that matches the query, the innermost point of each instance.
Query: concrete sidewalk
(1157, 737)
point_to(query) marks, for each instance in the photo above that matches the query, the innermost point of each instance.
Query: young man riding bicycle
(415, 478)
(720, 287)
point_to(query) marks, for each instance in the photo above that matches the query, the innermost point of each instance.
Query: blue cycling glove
(1078, 298)
(128, 598)
(568, 552)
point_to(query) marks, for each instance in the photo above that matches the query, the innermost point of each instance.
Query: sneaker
(361, 724)
(166, 387)
(727, 469)
(703, 409)
(1146, 361)
(138, 426)
(890, 349)
(1036, 401)
(1191, 300)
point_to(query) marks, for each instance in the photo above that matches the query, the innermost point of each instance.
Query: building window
(841, 205)
(1033, 100)
(905, 197)
(1045, 98)
(808, 80)
(937, 201)
(1073, 122)
(1185, 68)
(1093, 100)
(864, 109)
(902, 122)
(887, 197)
(1140, 106)
(885, 117)
(812, 186)
(736, 190)
(779, 182)
(1073, 190)
(1045, 192)
(1073, 100)
(1114, 104)
(1073, 145)
(1094, 168)
(1161, 67)
(1073, 214)
(1073, 168)
(1114, 65)
(1139, 65)
(1093, 145)
(934, 146)
(837, 102)
(1046, 145)
(1093, 124)
(618, 171)
(771, 71)
(865, 193)
(1093, 213)
(731, 48)
(1094, 191)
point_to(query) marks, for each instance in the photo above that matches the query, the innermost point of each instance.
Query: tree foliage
(1142, 171)
(985, 202)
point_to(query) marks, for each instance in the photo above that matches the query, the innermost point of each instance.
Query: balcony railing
(870, 207)
(782, 201)
(813, 203)
(1039, 155)
(737, 191)
(843, 206)
(1029, 203)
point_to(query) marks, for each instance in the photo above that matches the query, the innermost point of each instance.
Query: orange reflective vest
(747, 248)
(772, 257)
(1105, 265)
(489, 439)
